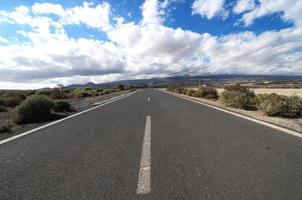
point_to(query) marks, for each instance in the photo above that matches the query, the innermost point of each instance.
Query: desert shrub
(295, 106)
(35, 108)
(171, 88)
(106, 91)
(44, 92)
(190, 92)
(12, 99)
(238, 97)
(6, 128)
(81, 92)
(179, 90)
(62, 106)
(207, 92)
(57, 93)
(273, 105)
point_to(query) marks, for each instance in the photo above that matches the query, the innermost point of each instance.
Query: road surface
(152, 145)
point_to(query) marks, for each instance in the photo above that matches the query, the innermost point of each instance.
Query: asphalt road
(183, 151)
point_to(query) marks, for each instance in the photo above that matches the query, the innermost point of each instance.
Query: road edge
(96, 105)
(274, 126)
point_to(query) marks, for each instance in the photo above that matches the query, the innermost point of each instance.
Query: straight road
(152, 145)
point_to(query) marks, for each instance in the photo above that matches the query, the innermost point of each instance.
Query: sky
(43, 43)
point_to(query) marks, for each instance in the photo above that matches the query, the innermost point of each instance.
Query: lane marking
(149, 99)
(285, 130)
(144, 176)
(106, 102)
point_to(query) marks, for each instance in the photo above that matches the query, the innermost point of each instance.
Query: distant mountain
(190, 80)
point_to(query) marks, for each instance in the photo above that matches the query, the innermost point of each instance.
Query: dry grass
(287, 92)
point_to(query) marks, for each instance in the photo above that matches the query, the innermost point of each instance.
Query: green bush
(35, 108)
(206, 92)
(238, 97)
(62, 106)
(274, 105)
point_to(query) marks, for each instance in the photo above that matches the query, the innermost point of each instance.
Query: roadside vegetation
(238, 97)
(35, 108)
(243, 98)
(23, 107)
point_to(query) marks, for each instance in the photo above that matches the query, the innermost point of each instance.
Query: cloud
(150, 12)
(209, 8)
(48, 8)
(290, 11)
(93, 16)
(61, 58)
(156, 49)
(139, 49)
(3, 40)
(243, 6)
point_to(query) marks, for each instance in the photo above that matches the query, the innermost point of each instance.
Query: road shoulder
(273, 122)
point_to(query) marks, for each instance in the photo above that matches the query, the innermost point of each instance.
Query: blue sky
(43, 43)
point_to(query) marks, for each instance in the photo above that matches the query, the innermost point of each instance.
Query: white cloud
(150, 12)
(93, 16)
(243, 6)
(3, 40)
(89, 14)
(209, 8)
(291, 11)
(48, 8)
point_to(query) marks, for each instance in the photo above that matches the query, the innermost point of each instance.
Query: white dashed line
(144, 177)
(149, 99)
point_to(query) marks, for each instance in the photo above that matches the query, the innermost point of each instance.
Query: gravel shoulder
(291, 123)
(78, 104)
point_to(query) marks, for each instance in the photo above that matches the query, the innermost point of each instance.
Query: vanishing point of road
(153, 145)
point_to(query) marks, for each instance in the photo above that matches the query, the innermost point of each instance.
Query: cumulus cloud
(93, 16)
(48, 8)
(150, 12)
(143, 49)
(209, 8)
(243, 6)
(291, 11)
